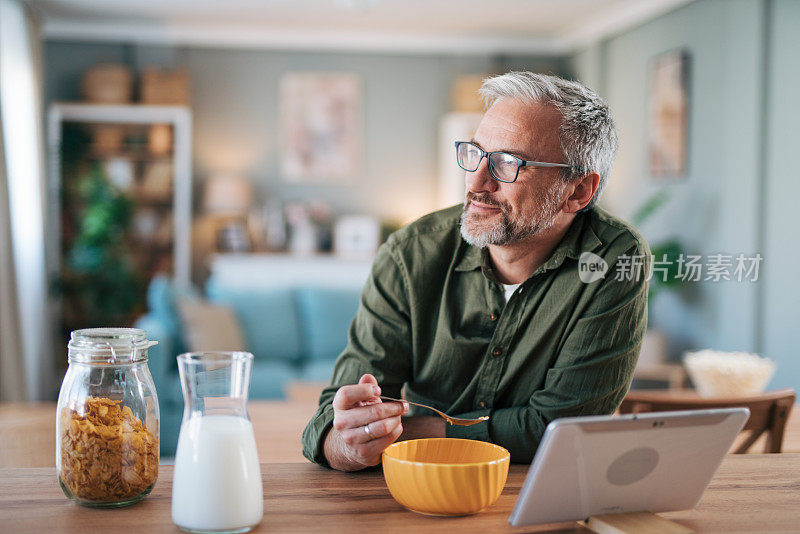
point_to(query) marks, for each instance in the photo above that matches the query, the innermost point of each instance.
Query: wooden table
(278, 426)
(27, 431)
(750, 493)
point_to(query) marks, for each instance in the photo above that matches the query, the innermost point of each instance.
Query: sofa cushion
(161, 362)
(317, 371)
(160, 296)
(162, 302)
(268, 318)
(268, 380)
(325, 316)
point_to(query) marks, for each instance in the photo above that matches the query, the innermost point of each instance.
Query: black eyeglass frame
(520, 162)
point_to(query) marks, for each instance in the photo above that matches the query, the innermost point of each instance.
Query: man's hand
(363, 426)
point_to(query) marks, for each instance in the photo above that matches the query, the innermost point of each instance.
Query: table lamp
(227, 195)
(227, 199)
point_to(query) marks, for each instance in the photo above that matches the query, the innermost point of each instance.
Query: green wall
(781, 193)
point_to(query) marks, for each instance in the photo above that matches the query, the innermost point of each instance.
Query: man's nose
(481, 180)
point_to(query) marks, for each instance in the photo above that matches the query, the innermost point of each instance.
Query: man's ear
(584, 190)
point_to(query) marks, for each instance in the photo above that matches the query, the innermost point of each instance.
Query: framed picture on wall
(321, 125)
(668, 128)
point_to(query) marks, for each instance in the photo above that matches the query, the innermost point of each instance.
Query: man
(500, 308)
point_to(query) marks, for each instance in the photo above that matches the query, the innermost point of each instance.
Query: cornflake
(107, 454)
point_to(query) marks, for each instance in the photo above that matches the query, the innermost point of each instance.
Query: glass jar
(107, 424)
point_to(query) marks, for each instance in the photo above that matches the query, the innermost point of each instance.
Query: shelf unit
(168, 250)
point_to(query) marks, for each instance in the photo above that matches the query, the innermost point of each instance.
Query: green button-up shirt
(433, 321)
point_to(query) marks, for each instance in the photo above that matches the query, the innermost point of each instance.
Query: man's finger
(349, 396)
(368, 379)
(372, 450)
(377, 429)
(355, 417)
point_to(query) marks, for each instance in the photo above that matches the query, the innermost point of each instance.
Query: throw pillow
(209, 327)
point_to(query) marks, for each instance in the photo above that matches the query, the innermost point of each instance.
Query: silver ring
(367, 431)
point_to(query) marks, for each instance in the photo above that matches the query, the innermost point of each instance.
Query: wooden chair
(768, 412)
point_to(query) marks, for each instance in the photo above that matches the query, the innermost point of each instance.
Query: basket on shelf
(108, 83)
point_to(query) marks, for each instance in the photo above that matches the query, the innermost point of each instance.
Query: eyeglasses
(502, 166)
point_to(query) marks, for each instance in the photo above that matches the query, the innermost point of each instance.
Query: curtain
(48, 385)
(25, 328)
(12, 378)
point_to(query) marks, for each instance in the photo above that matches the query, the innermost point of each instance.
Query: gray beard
(507, 231)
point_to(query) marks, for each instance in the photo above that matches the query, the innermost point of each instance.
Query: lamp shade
(226, 194)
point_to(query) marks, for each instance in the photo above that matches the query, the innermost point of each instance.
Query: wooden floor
(27, 431)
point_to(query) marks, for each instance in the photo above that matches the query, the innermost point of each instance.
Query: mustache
(484, 199)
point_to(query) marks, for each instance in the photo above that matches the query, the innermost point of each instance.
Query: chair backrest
(768, 412)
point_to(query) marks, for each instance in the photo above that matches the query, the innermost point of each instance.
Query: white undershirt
(509, 289)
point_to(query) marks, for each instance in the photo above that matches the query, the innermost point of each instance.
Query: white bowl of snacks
(728, 374)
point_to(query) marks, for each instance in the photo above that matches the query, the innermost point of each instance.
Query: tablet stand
(633, 523)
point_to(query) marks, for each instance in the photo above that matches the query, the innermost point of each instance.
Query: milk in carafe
(217, 482)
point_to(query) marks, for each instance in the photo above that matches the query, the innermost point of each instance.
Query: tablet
(653, 462)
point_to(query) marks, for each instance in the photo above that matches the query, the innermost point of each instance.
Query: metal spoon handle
(451, 420)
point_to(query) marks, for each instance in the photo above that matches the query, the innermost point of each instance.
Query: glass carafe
(217, 481)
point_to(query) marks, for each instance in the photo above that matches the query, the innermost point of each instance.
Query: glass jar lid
(109, 345)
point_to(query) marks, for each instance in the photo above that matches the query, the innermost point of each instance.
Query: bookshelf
(128, 167)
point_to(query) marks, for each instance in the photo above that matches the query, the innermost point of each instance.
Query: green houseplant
(98, 283)
(667, 252)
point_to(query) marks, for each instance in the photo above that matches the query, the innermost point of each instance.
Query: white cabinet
(259, 271)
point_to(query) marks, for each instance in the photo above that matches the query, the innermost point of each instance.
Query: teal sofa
(294, 333)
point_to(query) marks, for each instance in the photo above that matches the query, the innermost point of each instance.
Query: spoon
(452, 420)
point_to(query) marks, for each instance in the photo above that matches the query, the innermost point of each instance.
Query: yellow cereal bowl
(445, 476)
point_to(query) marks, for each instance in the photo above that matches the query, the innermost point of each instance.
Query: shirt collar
(579, 238)
(472, 258)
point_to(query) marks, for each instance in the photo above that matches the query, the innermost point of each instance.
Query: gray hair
(587, 133)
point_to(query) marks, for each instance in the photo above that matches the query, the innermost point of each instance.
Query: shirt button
(497, 352)
(492, 316)
(482, 404)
